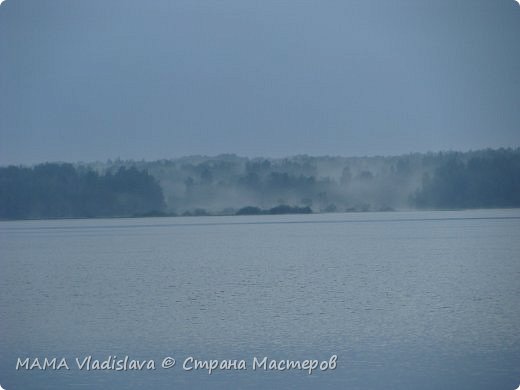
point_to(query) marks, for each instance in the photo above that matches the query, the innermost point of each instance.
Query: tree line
(229, 185)
(55, 190)
(486, 180)
(200, 185)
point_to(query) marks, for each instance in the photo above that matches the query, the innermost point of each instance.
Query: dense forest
(489, 180)
(229, 184)
(62, 190)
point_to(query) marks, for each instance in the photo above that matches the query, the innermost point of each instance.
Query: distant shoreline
(172, 215)
(229, 184)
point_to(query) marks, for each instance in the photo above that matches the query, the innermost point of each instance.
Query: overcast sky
(92, 80)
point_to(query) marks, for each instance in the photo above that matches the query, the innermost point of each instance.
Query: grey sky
(92, 80)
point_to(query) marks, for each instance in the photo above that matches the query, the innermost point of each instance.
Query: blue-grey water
(406, 300)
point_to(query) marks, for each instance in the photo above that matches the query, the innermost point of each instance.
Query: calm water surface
(406, 300)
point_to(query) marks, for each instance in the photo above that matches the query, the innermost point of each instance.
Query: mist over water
(232, 185)
(226, 183)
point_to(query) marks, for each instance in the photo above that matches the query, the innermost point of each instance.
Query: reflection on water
(406, 300)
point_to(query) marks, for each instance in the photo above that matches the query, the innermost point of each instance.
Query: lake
(405, 300)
